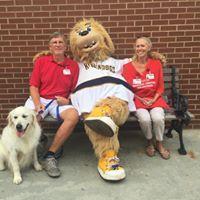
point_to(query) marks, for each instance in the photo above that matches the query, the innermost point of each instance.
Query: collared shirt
(146, 84)
(54, 79)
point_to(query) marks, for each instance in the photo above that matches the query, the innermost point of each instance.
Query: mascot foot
(102, 125)
(109, 167)
(99, 120)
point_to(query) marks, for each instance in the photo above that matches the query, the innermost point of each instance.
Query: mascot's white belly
(89, 93)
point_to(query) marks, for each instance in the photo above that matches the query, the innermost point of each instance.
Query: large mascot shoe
(109, 167)
(102, 125)
(99, 121)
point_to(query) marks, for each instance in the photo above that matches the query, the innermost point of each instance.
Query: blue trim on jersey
(102, 80)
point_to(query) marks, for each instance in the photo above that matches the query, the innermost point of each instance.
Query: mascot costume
(102, 97)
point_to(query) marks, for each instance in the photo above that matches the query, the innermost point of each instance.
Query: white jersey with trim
(110, 67)
(86, 98)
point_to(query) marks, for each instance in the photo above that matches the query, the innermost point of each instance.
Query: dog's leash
(41, 111)
(57, 110)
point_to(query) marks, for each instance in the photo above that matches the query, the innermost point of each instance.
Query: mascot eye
(24, 116)
(88, 28)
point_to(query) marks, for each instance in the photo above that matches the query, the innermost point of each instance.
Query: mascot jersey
(100, 80)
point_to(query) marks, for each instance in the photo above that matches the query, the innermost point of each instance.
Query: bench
(177, 117)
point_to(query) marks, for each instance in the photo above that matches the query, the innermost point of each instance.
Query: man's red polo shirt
(53, 79)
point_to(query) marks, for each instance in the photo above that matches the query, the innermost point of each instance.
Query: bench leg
(178, 126)
(169, 132)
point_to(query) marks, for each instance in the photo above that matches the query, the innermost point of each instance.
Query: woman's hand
(147, 101)
(62, 100)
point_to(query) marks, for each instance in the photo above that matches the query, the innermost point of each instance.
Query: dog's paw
(17, 180)
(38, 167)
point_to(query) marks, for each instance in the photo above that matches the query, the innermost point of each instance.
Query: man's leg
(70, 118)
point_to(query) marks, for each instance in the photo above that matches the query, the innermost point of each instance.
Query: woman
(145, 76)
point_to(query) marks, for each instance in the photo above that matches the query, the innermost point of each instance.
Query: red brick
(26, 15)
(160, 22)
(143, 11)
(194, 9)
(83, 7)
(100, 6)
(160, 10)
(6, 3)
(8, 26)
(41, 14)
(169, 4)
(76, 1)
(135, 5)
(152, 5)
(41, 2)
(15, 9)
(32, 8)
(23, 2)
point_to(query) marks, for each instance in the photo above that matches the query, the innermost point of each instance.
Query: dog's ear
(34, 118)
(9, 118)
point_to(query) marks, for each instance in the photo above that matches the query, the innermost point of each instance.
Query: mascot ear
(40, 54)
(107, 38)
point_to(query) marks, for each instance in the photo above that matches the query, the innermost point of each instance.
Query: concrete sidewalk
(147, 178)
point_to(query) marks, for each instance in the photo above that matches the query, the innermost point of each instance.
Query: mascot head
(89, 41)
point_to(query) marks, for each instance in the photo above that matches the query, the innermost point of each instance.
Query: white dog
(18, 143)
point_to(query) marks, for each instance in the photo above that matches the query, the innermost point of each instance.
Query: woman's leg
(144, 120)
(158, 118)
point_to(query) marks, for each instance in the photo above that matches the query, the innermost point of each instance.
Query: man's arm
(36, 98)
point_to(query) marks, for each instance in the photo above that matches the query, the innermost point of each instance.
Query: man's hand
(62, 100)
(39, 108)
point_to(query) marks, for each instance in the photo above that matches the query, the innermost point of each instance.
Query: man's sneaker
(109, 167)
(50, 166)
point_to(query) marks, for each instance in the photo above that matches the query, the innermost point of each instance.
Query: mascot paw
(102, 125)
(109, 167)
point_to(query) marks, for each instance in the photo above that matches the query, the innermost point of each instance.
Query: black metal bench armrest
(181, 108)
(180, 104)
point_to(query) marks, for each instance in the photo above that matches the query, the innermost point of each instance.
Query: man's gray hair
(56, 35)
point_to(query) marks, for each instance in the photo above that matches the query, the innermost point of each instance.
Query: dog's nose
(19, 127)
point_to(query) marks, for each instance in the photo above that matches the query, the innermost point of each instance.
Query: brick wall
(173, 26)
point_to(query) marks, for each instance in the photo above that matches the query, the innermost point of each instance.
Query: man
(53, 79)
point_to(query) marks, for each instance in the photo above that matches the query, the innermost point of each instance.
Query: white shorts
(52, 108)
